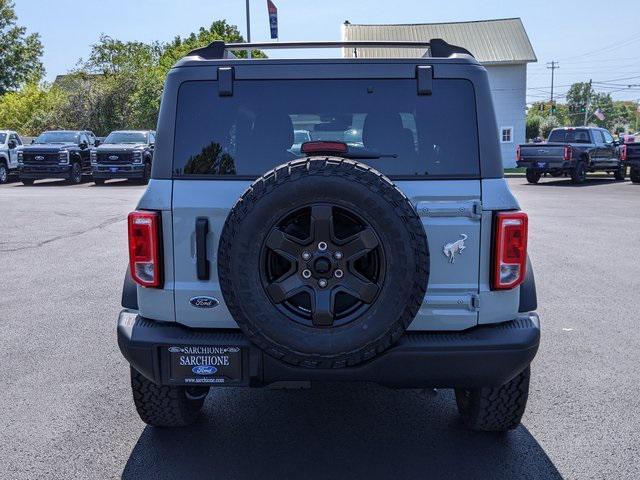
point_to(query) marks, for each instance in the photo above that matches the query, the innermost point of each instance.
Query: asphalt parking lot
(66, 411)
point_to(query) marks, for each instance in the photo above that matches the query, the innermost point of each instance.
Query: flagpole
(248, 29)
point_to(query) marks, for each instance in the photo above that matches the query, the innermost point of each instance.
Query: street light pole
(586, 110)
(248, 29)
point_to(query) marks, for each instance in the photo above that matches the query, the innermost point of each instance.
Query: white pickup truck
(9, 143)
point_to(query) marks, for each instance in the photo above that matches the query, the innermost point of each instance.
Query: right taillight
(518, 153)
(144, 248)
(509, 250)
(623, 153)
(567, 153)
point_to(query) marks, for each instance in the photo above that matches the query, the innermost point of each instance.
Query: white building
(502, 46)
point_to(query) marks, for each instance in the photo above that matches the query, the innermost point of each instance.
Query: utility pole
(552, 66)
(248, 30)
(586, 109)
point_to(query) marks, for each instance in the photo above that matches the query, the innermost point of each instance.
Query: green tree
(32, 109)
(533, 126)
(547, 125)
(19, 53)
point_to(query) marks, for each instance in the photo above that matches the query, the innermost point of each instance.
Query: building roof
(490, 41)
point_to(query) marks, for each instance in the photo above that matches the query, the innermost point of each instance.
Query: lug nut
(338, 273)
(338, 255)
(306, 273)
(306, 255)
(322, 246)
(322, 282)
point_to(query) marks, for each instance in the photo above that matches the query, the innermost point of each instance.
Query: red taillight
(510, 249)
(567, 153)
(518, 153)
(311, 148)
(144, 248)
(623, 153)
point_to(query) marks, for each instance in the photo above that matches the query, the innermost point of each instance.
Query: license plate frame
(205, 365)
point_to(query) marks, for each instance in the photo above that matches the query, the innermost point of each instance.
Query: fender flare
(129, 292)
(528, 295)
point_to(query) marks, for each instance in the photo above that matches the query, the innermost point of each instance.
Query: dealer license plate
(205, 364)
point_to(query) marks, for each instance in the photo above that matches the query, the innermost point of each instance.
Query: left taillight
(509, 249)
(144, 248)
(623, 153)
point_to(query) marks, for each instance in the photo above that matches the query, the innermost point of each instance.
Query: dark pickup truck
(573, 152)
(56, 154)
(630, 157)
(124, 154)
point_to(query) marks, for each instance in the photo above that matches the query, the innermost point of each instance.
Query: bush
(547, 125)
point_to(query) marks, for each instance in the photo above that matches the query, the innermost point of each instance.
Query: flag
(273, 18)
(599, 114)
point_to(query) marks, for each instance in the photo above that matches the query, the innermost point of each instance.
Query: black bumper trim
(486, 355)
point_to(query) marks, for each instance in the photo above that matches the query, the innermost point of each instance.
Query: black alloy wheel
(323, 265)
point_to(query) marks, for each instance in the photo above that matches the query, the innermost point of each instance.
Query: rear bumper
(546, 166)
(488, 355)
(118, 171)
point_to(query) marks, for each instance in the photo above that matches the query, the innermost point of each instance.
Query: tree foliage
(118, 86)
(19, 53)
(533, 126)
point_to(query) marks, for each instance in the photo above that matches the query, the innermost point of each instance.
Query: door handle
(202, 264)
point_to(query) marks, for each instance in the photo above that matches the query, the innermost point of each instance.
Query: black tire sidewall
(255, 312)
(75, 168)
(4, 173)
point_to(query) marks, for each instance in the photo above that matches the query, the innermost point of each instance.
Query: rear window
(265, 123)
(580, 135)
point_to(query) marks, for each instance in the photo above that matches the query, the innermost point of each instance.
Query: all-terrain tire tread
(497, 409)
(163, 405)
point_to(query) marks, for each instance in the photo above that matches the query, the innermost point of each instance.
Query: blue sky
(590, 39)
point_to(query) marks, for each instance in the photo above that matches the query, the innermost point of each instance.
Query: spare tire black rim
(322, 265)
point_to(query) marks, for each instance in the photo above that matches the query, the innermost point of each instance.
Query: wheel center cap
(322, 266)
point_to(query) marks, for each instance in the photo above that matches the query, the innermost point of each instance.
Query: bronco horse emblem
(451, 249)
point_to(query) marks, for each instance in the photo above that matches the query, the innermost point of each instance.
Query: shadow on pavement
(566, 182)
(334, 431)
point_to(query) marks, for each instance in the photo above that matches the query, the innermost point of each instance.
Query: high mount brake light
(509, 250)
(144, 248)
(324, 147)
(567, 153)
(623, 153)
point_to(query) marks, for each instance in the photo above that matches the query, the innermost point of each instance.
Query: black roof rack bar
(219, 49)
(350, 44)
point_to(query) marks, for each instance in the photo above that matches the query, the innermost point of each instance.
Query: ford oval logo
(39, 157)
(204, 370)
(204, 302)
(113, 157)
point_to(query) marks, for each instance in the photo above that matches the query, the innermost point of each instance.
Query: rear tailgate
(450, 211)
(541, 154)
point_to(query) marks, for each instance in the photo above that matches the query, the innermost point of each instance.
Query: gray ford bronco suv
(388, 248)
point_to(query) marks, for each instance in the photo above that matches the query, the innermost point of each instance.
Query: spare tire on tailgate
(323, 262)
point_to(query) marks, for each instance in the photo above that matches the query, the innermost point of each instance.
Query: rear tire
(579, 173)
(533, 176)
(635, 175)
(165, 406)
(621, 173)
(27, 181)
(495, 409)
